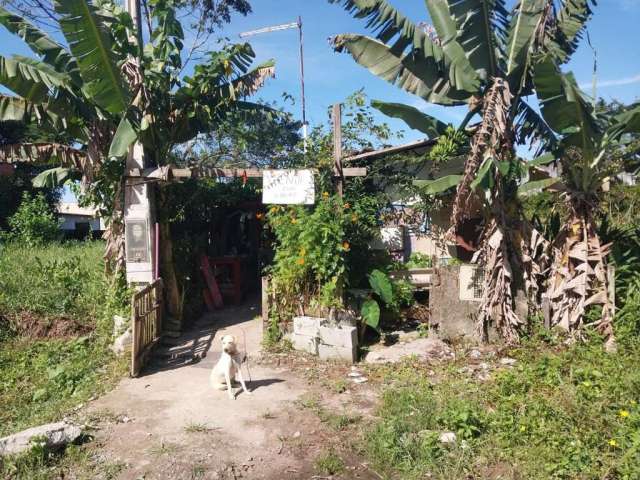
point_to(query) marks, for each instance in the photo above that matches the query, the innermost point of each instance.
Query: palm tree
(479, 54)
(93, 91)
(111, 91)
(589, 141)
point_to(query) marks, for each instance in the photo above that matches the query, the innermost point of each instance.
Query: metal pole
(304, 113)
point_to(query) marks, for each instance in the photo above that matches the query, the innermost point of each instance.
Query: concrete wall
(452, 318)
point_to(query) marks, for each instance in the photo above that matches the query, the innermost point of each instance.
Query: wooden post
(336, 117)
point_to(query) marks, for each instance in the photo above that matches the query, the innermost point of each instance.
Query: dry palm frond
(580, 277)
(42, 153)
(493, 137)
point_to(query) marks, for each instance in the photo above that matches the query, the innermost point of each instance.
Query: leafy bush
(34, 223)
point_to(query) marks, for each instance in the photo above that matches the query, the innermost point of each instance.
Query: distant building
(79, 222)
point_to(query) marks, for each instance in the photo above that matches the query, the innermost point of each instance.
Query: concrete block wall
(328, 341)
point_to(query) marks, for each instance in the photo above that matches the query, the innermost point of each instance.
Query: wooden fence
(146, 322)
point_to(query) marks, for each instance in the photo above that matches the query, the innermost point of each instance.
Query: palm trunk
(580, 275)
(506, 254)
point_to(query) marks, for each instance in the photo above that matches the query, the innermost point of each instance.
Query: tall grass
(42, 378)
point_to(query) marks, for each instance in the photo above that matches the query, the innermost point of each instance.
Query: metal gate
(146, 322)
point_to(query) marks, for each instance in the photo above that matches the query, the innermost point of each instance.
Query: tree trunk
(580, 276)
(173, 296)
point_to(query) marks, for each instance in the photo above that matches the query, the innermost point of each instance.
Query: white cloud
(613, 83)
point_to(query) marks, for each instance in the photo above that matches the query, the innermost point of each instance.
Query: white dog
(228, 367)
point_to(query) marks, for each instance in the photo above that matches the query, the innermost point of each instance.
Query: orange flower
(346, 246)
(300, 261)
(347, 205)
(259, 215)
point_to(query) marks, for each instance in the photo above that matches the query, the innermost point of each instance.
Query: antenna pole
(304, 112)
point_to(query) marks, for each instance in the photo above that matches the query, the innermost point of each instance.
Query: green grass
(41, 379)
(329, 463)
(560, 413)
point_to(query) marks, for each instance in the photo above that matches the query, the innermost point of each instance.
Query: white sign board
(288, 187)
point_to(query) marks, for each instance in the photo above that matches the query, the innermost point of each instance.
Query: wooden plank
(214, 290)
(228, 172)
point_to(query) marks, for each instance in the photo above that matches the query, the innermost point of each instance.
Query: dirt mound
(30, 325)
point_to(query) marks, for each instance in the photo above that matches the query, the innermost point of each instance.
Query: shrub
(34, 223)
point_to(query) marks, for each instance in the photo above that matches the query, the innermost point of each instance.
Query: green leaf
(433, 187)
(388, 22)
(31, 79)
(481, 25)
(40, 43)
(625, 122)
(411, 72)
(536, 185)
(570, 24)
(566, 108)
(55, 177)
(483, 179)
(461, 74)
(381, 285)
(124, 137)
(413, 117)
(545, 159)
(370, 312)
(91, 43)
(520, 37)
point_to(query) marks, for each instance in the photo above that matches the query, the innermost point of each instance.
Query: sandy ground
(169, 424)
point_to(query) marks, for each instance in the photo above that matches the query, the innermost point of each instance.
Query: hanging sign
(288, 187)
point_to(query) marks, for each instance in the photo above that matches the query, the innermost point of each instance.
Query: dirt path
(169, 424)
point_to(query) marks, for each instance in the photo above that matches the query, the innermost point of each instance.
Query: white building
(79, 221)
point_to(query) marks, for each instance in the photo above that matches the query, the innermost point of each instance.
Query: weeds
(329, 463)
(558, 414)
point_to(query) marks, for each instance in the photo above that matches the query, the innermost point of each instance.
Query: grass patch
(42, 378)
(558, 414)
(197, 428)
(329, 463)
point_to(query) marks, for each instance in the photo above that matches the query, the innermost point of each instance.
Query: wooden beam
(161, 173)
(336, 118)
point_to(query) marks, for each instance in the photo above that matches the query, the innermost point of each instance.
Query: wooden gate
(146, 322)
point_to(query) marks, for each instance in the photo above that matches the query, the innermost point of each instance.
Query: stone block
(305, 343)
(307, 325)
(341, 336)
(331, 352)
(52, 435)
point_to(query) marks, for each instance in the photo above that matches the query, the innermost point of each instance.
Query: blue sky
(330, 77)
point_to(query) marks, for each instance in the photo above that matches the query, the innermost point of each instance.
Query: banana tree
(480, 54)
(587, 153)
(91, 90)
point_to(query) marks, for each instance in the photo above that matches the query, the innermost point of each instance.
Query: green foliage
(370, 313)
(42, 378)
(387, 293)
(34, 223)
(381, 286)
(558, 414)
(418, 260)
(309, 263)
(329, 463)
